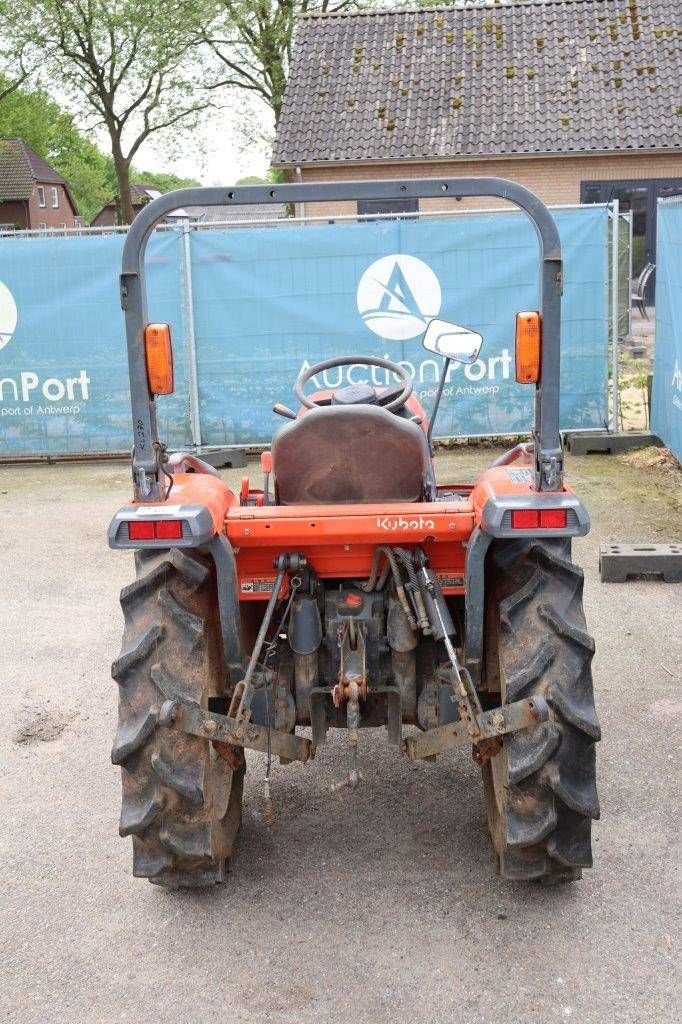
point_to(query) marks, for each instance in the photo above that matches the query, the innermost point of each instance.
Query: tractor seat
(350, 454)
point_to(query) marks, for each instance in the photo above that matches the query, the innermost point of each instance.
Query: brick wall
(105, 218)
(47, 214)
(555, 179)
(14, 213)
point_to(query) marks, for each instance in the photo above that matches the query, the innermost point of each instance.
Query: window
(639, 197)
(55, 197)
(371, 208)
(62, 225)
(41, 195)
(42, 226)
(591, 193)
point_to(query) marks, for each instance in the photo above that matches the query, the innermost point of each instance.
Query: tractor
(349, 589)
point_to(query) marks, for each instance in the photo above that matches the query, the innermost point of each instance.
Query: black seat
(344, 454)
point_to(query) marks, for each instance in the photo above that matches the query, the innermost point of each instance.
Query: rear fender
(504, 488)
(200, 501)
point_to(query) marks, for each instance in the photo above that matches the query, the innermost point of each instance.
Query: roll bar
(149, 451)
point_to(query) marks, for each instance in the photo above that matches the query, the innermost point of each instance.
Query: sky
(233, 142)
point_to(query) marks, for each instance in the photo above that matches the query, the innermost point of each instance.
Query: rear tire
(181, 800)
(540, 789)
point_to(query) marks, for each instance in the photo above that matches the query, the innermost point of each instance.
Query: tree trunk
(126, 213)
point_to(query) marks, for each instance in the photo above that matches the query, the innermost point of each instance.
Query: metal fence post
(190, 338)
(614, 313)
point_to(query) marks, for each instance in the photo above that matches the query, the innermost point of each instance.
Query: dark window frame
(386, 209)
(653, 186)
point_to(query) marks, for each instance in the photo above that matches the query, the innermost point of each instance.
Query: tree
(32, 116)
(252, 41)
(132, 64)
(15, 67)
(163, 180)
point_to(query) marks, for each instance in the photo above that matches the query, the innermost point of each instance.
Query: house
(578, 100)
(108, 216)
(143, 194)
(32, 194)
(247, 215)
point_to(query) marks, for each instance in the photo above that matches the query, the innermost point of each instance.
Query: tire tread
(181, 802)
(541, 807)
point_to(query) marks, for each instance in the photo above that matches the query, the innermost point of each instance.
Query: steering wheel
(391, 399)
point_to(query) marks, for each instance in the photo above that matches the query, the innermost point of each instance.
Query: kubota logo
(398, 523)
(8, 315)
(397, 296)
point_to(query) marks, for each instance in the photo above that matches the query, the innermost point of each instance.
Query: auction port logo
(8, 315)
(24, 387)
(397, 296)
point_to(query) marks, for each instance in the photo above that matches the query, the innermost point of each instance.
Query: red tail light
(168, 529)
(553, 519)
(141, 531)
(161, 529)
(525, 519)
(538, 519)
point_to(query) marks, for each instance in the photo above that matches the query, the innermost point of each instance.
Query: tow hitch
(484, 729)
(235, 728)
(492, 726)
(188, 717)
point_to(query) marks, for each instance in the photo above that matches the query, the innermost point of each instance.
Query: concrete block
(621, 562)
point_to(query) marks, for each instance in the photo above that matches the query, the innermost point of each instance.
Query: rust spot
(236, 698)
(485, 749)
(349, 687)
(233, 755)
(534, 713)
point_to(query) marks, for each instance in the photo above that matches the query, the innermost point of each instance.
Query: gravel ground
(379, 906)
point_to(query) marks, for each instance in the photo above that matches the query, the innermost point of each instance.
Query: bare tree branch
(134, 64)
(253, 38)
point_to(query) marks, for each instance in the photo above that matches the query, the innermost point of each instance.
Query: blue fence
(268, 301)
(666, 396)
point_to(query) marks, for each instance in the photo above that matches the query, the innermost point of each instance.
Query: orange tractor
(351, 590)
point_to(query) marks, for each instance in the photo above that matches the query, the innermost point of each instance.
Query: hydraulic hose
(398, 583)
(415, 589)
(374, 578)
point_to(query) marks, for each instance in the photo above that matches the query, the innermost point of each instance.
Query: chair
(637, 295)
(355, 453)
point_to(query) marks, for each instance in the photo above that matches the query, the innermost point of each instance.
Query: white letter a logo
(8, 315)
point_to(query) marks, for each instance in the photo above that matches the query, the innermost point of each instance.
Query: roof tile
(21, 168)
(545, 76)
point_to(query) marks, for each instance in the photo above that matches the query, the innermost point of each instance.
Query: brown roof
(21, 168)
(139, 195)
(545, 76)
(141, 192)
